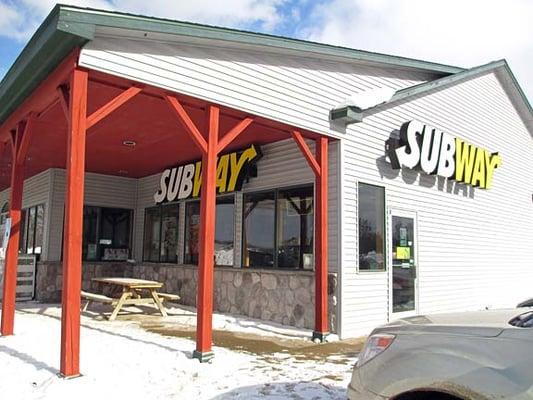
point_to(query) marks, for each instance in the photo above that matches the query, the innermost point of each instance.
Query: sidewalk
(149, 357)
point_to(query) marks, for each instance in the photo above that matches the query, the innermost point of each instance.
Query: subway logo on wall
(438, 153)
(185, 181)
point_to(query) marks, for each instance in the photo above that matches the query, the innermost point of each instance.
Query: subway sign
(184, 181)
(426, 148)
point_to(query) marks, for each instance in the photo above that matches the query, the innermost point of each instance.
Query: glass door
(403, 279)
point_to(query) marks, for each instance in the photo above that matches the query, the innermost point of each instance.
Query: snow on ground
(119, 359)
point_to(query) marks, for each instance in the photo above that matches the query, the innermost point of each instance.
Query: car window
(523, 320)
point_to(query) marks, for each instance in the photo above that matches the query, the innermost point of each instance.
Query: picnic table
(134, 292)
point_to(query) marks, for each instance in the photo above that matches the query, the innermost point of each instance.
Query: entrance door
(403, 275)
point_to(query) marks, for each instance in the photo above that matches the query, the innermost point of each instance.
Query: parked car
(526, 303)
(466, 356)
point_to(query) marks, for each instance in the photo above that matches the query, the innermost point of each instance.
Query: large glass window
(152, 234)
(278, 228)
(169, 233)
(258, 229)
(295, 228)
(106, 233)
(114, 233)
(224, 231)
(161, 233)
(371, 200)
(32, 230)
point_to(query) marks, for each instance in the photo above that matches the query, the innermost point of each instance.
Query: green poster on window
(403, 236)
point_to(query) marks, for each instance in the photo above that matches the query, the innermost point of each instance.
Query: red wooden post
(204, 307)
(321, 242)
(70, 316)
(11, 262)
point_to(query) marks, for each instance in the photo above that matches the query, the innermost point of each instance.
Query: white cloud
(456, 32)
(18, 20)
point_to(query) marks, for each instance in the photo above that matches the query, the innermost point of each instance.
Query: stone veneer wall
(282, 296)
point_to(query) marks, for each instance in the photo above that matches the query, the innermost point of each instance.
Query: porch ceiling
(146, 119)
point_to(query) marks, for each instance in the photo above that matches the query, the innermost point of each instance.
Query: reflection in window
(169, 233)
(32, 230)
(152, 234)
(192, 231)
(258, 229)
(161, 233)
(90, 235)
(371, 201)
(106, 233)
(295, 228)
(114, 241)
(224, 231)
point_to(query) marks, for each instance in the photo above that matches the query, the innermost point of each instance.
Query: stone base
(285, 297)
(203, 356)
(320, 336)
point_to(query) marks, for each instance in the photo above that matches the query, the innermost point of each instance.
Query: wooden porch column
(319, 165)
(206, 239)
(12, 253)
(210, 147)
(70, 316)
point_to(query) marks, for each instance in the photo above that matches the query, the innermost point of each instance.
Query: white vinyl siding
(100, 190)
(474, 245)
(36, 190)
(299, 91)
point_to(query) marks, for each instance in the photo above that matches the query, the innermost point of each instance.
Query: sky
(464, 33)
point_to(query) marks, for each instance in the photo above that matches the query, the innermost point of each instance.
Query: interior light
(129, 143)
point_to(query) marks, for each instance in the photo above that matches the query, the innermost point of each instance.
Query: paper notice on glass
(403, 253)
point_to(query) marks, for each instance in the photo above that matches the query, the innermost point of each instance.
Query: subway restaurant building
(299, 183)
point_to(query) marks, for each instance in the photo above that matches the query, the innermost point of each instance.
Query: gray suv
(468, 356)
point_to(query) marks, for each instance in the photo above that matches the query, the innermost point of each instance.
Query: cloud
(456, 32)
(18, 20)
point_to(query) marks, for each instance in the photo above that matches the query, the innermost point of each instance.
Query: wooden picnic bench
(133, 293)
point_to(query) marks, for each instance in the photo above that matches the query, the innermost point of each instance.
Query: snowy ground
(122, 359)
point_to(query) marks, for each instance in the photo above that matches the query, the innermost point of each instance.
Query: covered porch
(88, 121)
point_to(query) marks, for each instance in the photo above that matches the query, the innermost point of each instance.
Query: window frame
(25, 222)
(99, 233)
(159, 207)
(186, 217)
(276, 191)
(385, 268)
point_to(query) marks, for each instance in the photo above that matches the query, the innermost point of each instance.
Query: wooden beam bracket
(233, 133)
(187, 122)
(112, 105)
(299, 139)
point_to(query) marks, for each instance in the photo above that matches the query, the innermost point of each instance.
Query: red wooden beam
(63, 98)
(70, 316)
(112, 105)
(233, 133)
(25, 138)
(187, 123)
(204, 307)
(321, 242)
(11, 262)
(42, 96)
(298, 138)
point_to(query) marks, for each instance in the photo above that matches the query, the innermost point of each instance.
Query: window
(106, 233)
(371, 201)
(161, 233)
(278, 228)
(295, 228)
(224, 231)
(258, 230)
(32, 230)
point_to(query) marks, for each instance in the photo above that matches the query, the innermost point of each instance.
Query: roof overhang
(67, 28)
